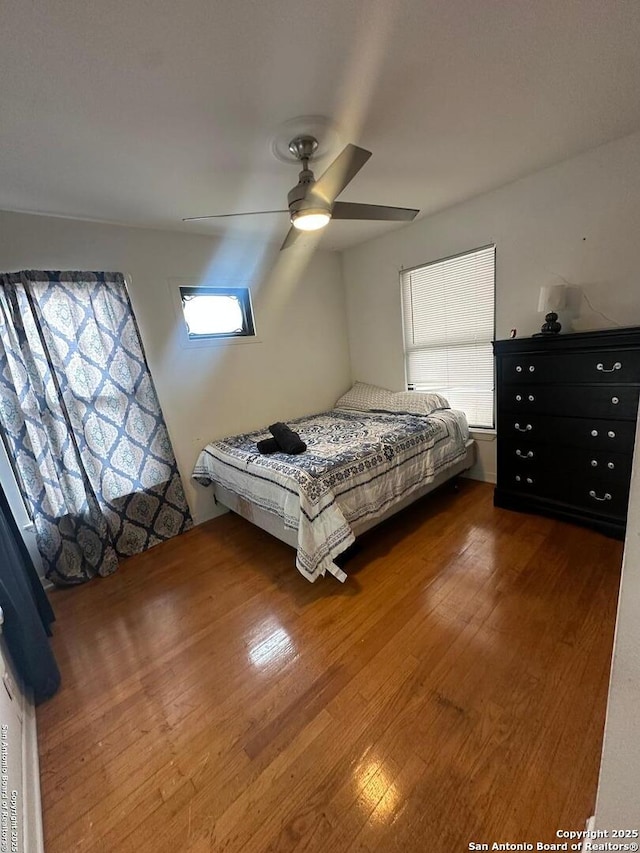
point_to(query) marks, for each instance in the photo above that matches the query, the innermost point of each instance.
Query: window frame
(241, 293)
(487, 430)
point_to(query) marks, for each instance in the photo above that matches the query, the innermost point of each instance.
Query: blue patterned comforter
(357, 465)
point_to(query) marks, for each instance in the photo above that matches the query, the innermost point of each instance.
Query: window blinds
(448, 316)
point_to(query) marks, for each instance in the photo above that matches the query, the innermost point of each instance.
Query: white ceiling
(145, 111)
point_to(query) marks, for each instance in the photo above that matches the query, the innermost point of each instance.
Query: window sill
(483, 434)
(196, 343)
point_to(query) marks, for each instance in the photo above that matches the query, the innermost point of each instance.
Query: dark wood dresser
(567, 408)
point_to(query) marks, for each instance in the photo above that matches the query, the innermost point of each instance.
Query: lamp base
(551, 326)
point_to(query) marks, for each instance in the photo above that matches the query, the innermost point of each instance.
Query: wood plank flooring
(452, 690)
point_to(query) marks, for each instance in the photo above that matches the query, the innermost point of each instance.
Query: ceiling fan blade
(227, 215)
(343, 170)
(291, 238)
(348, 210)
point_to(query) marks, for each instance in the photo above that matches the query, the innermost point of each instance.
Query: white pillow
(417, 403)
(364, 398)
(372, 398)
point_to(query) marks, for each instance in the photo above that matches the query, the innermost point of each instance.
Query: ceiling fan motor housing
(301, 196)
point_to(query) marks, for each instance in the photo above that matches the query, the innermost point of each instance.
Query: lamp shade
(553, 297)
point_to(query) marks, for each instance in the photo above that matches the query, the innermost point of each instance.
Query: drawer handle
(594, 433)
(531, 398)
(531, 368)
(600, 366)
(611, 434)
(607, 496)
(529, 481)
(528, 455)
(610, 466)
(526, 428)
(518, 369)
(518, 397)
(615, 400)
(594, 463)
(518, 478)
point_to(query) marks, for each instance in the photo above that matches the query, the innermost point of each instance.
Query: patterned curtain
(81, 419)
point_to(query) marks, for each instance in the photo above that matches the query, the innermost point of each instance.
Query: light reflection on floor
(377, 788)
(271, 645)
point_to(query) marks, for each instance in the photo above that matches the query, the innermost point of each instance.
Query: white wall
(300, 366)
(579, 219)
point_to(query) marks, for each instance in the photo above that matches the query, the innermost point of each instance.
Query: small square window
(217, 312)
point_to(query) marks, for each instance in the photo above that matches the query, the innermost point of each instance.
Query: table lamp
(553, 298)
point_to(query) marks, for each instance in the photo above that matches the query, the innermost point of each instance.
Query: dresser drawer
(537, 484)
(571, 481)
(600, 498)
(608, 366)
(530, 468)
(524, 455)
(603, 467)
(587, 433)
(598, 401)
(606, 503)
(555, 462)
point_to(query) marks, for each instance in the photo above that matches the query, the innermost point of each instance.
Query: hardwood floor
(453, 690)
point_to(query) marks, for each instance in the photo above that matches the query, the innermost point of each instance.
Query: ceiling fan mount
(303, 147)
(312, 203)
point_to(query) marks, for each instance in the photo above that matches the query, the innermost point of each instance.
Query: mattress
(357, 465)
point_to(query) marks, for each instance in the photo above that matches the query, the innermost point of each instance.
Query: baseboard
(487, 477)
(589, 827)
(33, 837)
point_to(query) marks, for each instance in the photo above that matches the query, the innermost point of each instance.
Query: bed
(361, 466)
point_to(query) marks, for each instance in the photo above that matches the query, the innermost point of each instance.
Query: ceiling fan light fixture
(310, 220)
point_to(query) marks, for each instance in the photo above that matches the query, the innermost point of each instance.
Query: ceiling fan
(312, 203)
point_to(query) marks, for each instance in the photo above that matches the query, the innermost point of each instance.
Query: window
(217, 312)
(448, 317)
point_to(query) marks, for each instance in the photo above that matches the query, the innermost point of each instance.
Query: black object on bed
(287, 440)
(267, 446)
